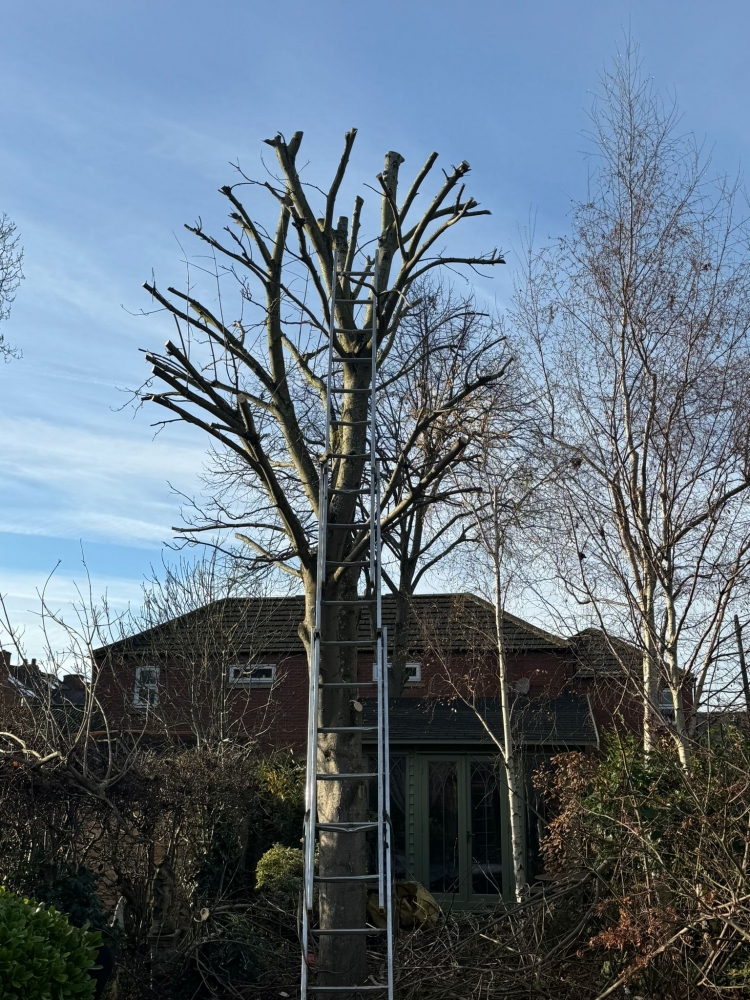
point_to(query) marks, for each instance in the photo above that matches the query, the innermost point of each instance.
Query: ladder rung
(359, 600)
(347, 930)
(343, 454)
(346, 562)
(347, 775)
(354, 302)
(347, 642)
(341, 489)
(349, 423)
(348, 684)
(349, 989)
(342, 390)
(349, 524)
(346, 878)
(355, 329)
(348, 729)
(346, 827)
(354, 361)
(356, 274)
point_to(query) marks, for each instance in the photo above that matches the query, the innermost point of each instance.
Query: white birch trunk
(515, 798)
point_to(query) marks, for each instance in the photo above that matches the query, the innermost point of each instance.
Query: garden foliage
(42, 955)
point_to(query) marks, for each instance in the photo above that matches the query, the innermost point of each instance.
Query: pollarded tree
(254, 383)
(449, 368)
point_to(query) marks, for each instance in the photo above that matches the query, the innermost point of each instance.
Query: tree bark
(342, 959)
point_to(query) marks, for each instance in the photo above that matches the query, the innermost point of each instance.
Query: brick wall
(193, 697)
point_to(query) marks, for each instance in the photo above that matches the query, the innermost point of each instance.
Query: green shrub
(280, 869)
(42, 956)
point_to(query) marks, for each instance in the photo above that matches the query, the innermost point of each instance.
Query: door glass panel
(443, 826)
(486, 827)
(398, 816)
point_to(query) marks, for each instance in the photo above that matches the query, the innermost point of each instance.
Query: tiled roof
(270, 624)
(28, 681)
(562, 721)
(465, 621)
(243, 625)
(597, 655)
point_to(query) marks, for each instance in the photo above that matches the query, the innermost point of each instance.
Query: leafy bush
(42, 956)
(280, 869)
(666, 853)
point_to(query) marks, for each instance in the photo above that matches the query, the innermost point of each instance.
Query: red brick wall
(278, 716)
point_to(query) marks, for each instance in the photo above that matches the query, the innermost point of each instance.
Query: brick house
(26, 682)
(237, 667)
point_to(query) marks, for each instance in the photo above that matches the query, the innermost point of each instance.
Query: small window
(413, 672)
(245, 674)
(146, 691)
(666, 701)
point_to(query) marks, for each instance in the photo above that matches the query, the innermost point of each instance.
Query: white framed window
(413, 672)
(246, 674)
(146, 690)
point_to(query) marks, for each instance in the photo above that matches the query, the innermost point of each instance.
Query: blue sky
(117, 124)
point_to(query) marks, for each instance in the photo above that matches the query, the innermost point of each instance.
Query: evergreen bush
(280, 869)
(42, 956)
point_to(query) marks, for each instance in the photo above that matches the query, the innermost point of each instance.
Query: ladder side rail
(385, 738)
(311, 789)
(311, 776)
(382, 654)
(310, 780)
(374, 488)
(388, 842)
(375, 568)
(382, 668)
(305, 951)
(375, 539)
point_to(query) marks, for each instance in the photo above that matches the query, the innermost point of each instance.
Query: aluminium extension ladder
(356, 289)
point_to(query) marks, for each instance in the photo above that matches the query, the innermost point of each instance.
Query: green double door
(451, 825)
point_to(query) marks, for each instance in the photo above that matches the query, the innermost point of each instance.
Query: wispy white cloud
(104, 484)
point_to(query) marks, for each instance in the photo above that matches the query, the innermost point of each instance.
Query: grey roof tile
(270, 624)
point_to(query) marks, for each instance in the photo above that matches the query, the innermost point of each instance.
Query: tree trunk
(341, 959)
(515, 799)
(680, 733)
(400, 643)
(650, 679)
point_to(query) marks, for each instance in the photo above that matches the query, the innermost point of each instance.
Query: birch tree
(505, 513)
(492, 531)
(252, 380)
(638, 326)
